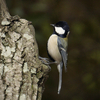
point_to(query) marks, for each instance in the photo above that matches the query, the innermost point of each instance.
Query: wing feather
(62, 45)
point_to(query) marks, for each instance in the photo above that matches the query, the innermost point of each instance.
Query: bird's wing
(62, 45)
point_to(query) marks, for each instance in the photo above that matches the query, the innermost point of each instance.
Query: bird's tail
(60, 66)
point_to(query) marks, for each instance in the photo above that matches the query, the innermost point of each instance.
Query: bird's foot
(46, 61)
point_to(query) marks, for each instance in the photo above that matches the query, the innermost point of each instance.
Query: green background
(82, 79)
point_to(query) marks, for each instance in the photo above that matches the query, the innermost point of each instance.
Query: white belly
(53, 48)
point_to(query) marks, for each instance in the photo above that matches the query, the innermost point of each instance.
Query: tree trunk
(22, 74)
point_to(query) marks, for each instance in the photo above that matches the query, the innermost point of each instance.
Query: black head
(61, 28)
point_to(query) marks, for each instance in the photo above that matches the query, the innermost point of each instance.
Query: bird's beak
(52, 25)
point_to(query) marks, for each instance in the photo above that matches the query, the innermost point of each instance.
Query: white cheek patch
(59, 30)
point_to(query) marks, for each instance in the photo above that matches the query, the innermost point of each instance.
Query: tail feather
(60, 66)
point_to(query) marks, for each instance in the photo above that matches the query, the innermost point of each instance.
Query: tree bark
(4, 14)
(22, 74)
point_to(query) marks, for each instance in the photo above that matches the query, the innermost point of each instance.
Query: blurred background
(82, 79)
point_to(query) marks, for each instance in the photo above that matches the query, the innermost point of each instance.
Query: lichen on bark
(22, 74)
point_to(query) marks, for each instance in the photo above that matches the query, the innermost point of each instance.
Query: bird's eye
(57, 25)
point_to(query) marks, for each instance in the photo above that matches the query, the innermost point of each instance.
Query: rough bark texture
(4, 14)
(22, 74)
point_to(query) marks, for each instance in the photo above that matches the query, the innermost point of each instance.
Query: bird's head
(61, 28)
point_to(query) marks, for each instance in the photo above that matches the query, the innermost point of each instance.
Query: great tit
(57, 47)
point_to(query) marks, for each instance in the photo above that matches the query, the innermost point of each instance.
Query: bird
(57, 47)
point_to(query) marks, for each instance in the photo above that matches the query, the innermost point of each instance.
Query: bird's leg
(46, 61)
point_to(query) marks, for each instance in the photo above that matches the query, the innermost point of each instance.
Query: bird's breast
(53, 48)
